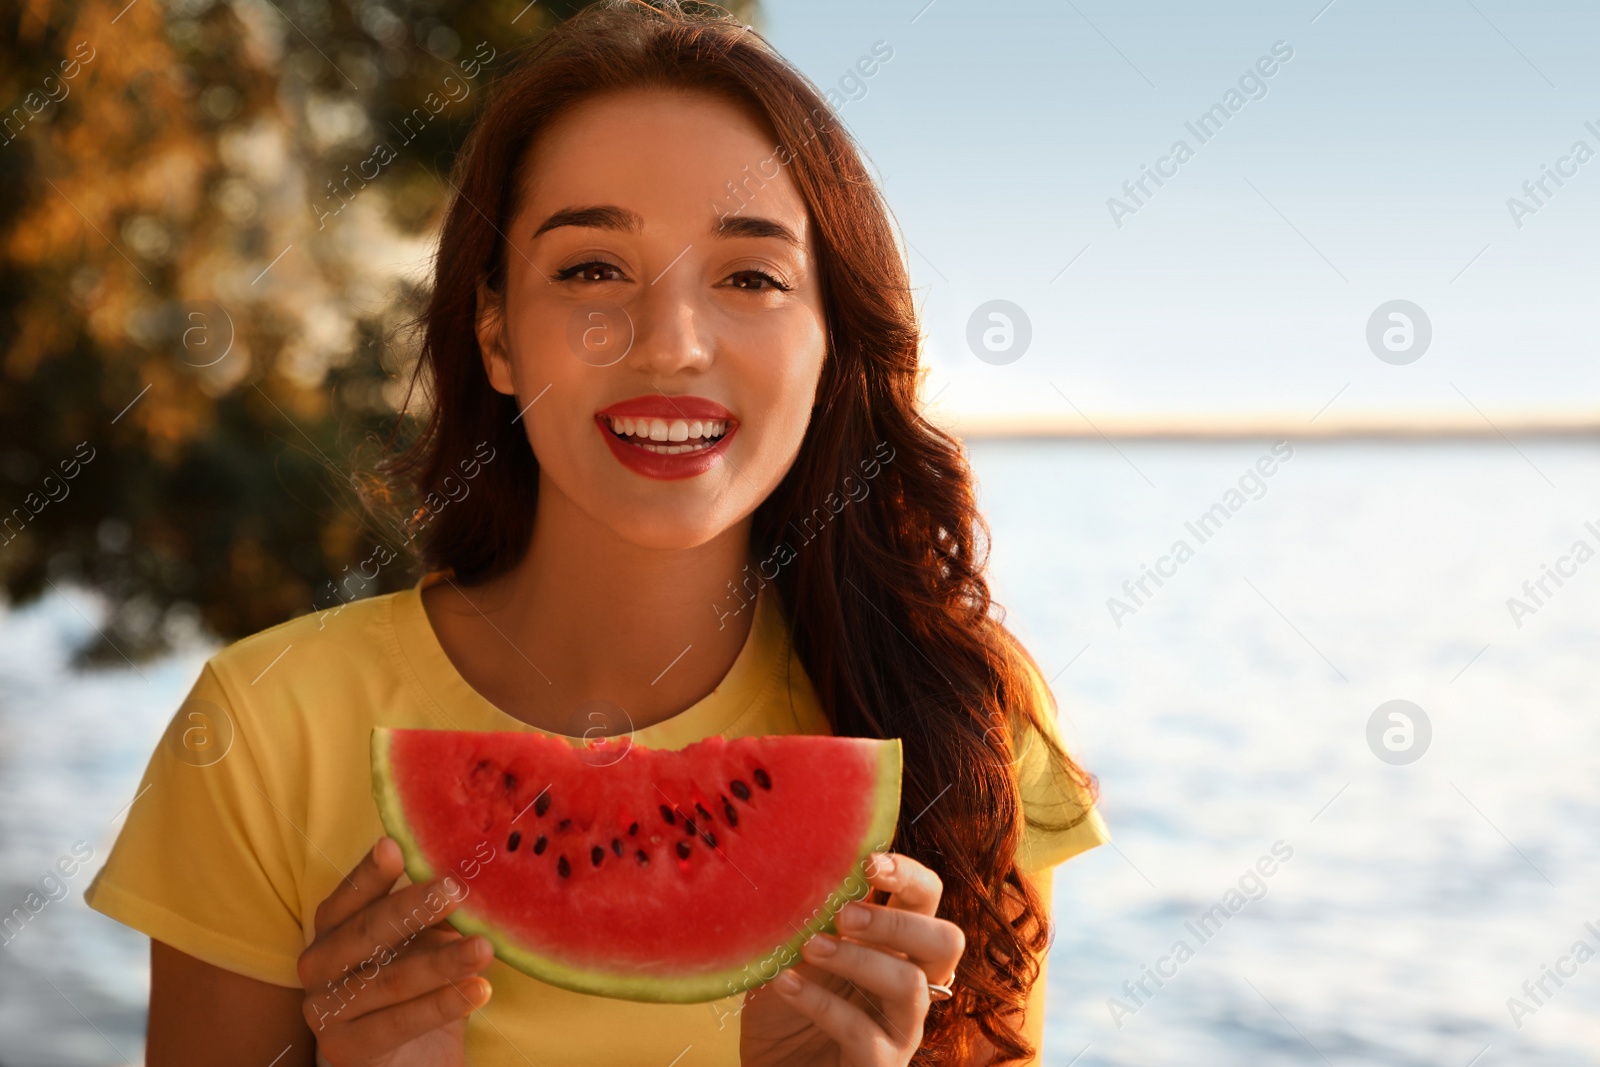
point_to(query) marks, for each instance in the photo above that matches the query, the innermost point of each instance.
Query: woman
(674, 482)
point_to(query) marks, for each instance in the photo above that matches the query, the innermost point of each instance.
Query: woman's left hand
(859, 1000)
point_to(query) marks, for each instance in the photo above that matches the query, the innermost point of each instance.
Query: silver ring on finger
(938, 991)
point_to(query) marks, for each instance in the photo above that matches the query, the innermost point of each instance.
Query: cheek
(536, 346)
(564, 345)
(553, 385)
(778, 383)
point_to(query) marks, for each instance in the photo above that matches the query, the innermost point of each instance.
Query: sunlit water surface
(1225, 711)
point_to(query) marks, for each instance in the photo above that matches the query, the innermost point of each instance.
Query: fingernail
(480, 992)
(854, 917)
(822, 946)
(787, 982)
(883, 863)
(452, 886)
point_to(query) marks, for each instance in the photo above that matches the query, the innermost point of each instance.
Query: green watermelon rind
(656, 989)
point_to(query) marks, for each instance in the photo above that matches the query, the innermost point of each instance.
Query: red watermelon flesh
(647, 874)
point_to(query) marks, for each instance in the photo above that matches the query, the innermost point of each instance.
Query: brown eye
(589, 271)
(751, 281)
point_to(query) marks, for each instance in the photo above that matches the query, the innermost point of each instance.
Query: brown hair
(887, 600)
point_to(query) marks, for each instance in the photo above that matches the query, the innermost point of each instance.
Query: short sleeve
(205, 861)
(1050, 794)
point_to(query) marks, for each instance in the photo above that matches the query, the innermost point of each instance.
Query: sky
(1374, 164)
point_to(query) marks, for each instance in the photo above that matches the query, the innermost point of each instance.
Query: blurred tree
(214, 219)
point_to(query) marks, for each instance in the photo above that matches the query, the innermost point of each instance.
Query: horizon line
(1257, 425)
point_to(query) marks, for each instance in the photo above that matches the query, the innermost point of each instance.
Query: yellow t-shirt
(258, 800)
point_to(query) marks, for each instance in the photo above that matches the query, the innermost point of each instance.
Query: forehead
(676, 157)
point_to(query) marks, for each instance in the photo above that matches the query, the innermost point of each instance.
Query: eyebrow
(620, 219)
(755, 226)
(604, 217)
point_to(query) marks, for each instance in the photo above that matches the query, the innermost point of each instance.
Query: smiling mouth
(668, 437)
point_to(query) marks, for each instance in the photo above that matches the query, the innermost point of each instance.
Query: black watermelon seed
(538, 845)
(564, 825)
(514, 841)
(563, 868)
(683, 850)
(704, 814)
(633, 828)
(642, 857)
(688, 827)
(616, 845)
(740, 790)
(510, 780)
(763, 779)
(710, 839)
(542, 804)
(597, 854)
(666, 813)
(727, 810)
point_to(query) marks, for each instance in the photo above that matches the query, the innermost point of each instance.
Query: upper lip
(658, 406)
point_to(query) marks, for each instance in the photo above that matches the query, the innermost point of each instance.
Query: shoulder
(319, 659)
(321, 636)
(1033, 707)
(1059, 795)
(258, 795)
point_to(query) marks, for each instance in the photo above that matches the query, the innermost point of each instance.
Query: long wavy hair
(887, 602)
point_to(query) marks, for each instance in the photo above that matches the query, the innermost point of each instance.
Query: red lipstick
(651, 464)
(660, 406)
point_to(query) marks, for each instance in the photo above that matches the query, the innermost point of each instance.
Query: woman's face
(635, 274)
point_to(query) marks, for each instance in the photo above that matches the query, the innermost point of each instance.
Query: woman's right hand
(388, 984)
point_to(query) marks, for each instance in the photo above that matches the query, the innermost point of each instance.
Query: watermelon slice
(644, 874)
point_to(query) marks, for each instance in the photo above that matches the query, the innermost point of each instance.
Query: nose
(670, 326)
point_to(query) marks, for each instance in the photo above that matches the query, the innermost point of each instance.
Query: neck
(587, 617)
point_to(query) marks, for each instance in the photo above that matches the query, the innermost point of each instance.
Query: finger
(398, 919)
(330, 993)
(933, 944)
(900, 986)
(392, 1027)
(369, 880)
(910, 885)
(416, 973)
(860, 1040)
(393, 923)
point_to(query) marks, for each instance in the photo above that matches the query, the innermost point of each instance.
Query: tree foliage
(215, 219)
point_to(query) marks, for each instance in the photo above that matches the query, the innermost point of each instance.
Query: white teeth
(673, 450)
(665, 430)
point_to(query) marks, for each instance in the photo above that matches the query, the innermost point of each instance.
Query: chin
(669, 535)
